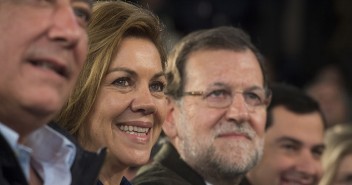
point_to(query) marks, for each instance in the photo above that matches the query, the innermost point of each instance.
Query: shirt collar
(47, 143)
(52, 153)
(10, 135)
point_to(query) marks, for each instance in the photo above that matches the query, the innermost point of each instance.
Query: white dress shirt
(50, 153)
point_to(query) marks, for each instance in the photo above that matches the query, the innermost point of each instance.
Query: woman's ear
(169, 126)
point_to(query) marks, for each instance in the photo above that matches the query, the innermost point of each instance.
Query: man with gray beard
(218, 95)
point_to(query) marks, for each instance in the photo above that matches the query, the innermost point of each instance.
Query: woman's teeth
(134, 130)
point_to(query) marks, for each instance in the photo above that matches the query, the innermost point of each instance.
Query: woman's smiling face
(131, 105)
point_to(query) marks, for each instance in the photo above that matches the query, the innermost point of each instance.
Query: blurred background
(307, 43)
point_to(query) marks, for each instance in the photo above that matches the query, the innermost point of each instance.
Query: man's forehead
(285, 118)
(300, 132)
(90, 2)
(286, 138)
(215, 64)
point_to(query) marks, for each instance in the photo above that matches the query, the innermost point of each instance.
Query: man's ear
(169, 126)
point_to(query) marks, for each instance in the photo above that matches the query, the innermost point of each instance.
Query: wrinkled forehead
(233, 68)
(89, 2)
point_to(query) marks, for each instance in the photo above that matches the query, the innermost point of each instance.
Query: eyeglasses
(222, 98)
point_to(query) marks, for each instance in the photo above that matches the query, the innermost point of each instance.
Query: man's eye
(252, 98)
(123, 82)
(318, 152)
(157, 86)
(252, 95)
(217, 93)
(83, 15)
(289, 147)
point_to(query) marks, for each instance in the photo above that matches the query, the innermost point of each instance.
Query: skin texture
(344, 173)
(292, 150)
(208, 139)
(32, 33)
(131, 95)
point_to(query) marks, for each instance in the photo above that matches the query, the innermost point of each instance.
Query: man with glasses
(218, 95)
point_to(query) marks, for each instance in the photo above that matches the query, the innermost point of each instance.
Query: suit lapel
(10, 169)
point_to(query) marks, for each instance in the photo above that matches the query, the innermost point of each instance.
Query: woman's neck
(111, 175)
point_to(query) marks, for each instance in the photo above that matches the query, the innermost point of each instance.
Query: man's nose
(238, 110)
(65, 27)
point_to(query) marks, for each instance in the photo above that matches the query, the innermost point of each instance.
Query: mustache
(231, 128)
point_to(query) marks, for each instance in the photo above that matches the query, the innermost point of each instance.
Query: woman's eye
(157, 87)
(123, 82)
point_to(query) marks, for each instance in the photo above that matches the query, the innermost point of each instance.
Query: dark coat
(85, 169)
(167, 169)
(245, 181)
(124, 181)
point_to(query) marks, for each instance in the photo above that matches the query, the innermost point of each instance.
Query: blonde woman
(119, 101)
(337, 158)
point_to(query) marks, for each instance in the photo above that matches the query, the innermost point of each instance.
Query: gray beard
(211, 165)
(215, 166)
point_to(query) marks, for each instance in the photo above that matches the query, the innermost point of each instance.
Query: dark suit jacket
(84, 170)
(124, 181)
(167, 169)
(245, 181)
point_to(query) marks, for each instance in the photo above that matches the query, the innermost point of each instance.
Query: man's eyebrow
(253, 88)
(219, 84)
(319, 146)
(290, 139)
(90, 2)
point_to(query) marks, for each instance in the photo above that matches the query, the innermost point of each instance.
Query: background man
(217, 111)
(293, 140)
(43, 47)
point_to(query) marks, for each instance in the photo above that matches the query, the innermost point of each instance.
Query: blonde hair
(111, 22)
(338, 141)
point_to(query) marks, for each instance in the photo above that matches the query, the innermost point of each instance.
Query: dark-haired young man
(293, 140)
